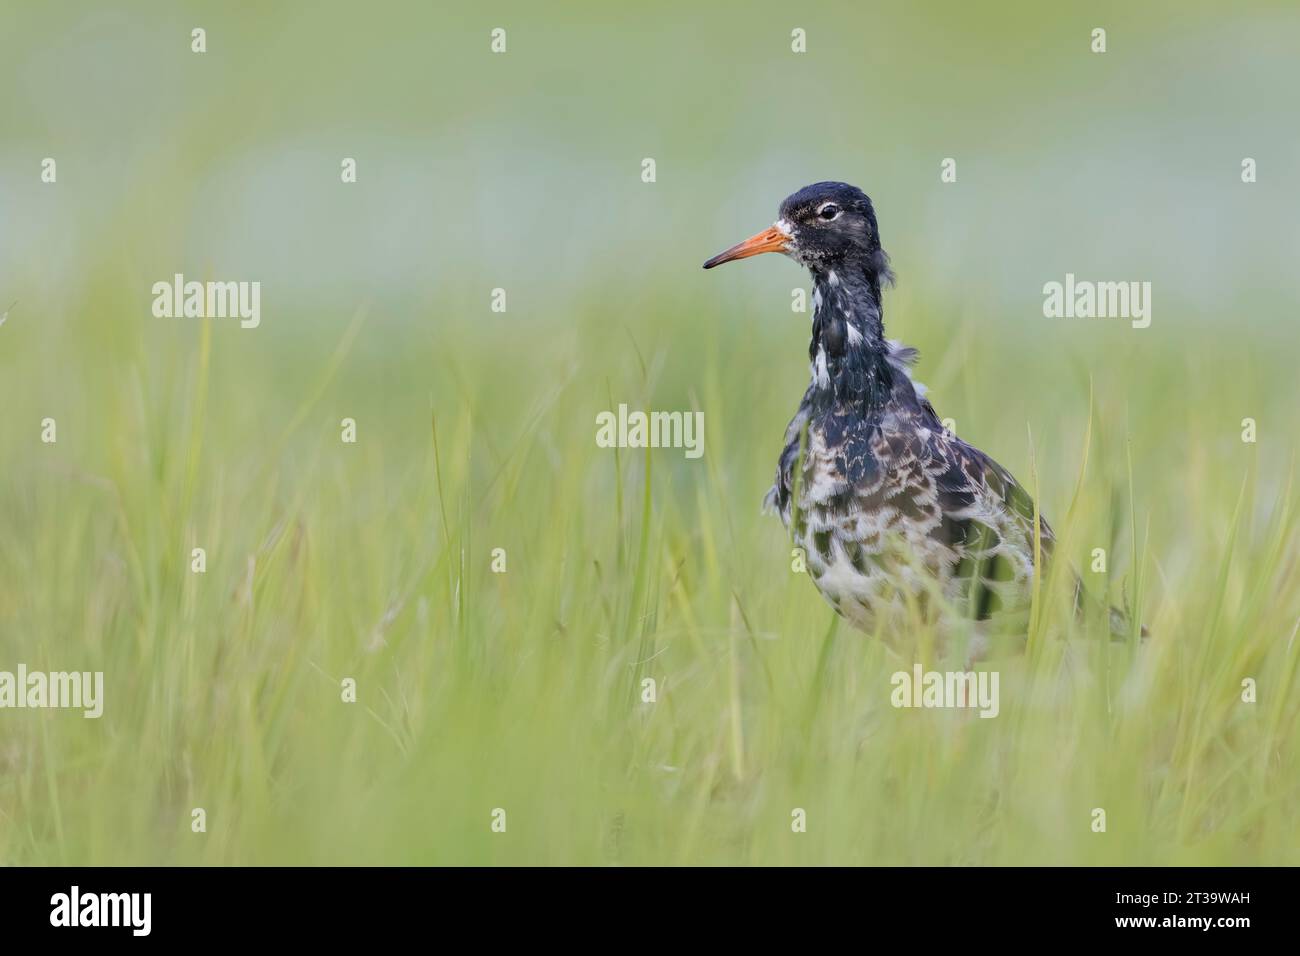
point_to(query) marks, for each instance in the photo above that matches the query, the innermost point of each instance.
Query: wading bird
(896, 515)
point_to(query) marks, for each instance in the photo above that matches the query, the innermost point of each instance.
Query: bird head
(823, 226)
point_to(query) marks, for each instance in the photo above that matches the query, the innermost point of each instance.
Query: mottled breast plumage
(892, 510)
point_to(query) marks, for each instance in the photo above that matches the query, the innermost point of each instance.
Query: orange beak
(770, 239)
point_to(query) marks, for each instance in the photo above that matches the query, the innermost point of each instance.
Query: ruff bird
(895, 514)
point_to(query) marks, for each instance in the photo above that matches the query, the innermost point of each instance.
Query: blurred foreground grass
(522, 690)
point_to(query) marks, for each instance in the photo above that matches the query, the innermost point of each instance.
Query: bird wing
(902, 474)
(987, 519)
(869, 484)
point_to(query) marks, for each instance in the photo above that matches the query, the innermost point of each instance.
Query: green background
(476, 429)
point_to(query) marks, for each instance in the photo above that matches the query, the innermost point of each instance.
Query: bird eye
(828, 211)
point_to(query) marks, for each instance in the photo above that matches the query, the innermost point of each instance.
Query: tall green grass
(522, 690)
(476, 431)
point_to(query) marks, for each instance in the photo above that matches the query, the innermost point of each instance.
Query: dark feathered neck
(848, 351)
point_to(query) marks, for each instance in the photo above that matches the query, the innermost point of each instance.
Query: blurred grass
(476, 431)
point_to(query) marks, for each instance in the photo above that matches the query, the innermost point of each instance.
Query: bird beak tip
(769, 240)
